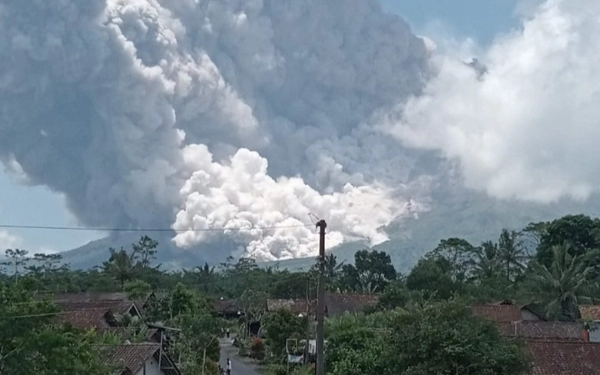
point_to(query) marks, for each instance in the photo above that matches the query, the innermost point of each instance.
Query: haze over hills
(472, 216)
(231, 121)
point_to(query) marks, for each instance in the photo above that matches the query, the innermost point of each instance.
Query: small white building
(591, 314)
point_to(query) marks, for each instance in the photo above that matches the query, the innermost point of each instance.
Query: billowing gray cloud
(103, 100)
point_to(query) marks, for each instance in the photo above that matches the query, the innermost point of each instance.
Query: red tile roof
(498, 313)
(562, 357)
(87, 297)
(130, 358)
(99, 319)
(297, 306)
(227, 306)
(590, 312)
(549, 330)
(340, 303)
(118, 307)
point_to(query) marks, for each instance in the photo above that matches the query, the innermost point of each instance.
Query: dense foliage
(420, 326)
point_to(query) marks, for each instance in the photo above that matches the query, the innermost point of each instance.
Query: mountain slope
(466, 214)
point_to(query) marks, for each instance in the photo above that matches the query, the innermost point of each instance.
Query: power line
(91, 229)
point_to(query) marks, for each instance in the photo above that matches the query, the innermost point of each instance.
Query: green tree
(333, 270)
(580, 232)
(459, 254)
(120, 266)
(394, 295)
(562, 284)
(355, 347)
(434, 277)
(33, 343)
(486, 261)
(205, 277)
(444, 339)
(280, 326)
(438, 339)
(17, 260)
(44, 265)
(332, 267)
(144, 252)
(372, 270)
(511, 254)
(137, 289)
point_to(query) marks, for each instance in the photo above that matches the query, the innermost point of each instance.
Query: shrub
(257, 349)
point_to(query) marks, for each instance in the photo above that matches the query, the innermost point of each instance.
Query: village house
(295, 306)
(506, 312)
(335, 304)
(522, 321)
(120, 303)
(98, 319)
(101, 312)
(140, 359)
(228, 308)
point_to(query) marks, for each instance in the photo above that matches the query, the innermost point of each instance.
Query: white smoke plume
(528, 127)
(144, 112)
(243, 197)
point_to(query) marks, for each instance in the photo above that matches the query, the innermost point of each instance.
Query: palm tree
(332, 267)
(563, 282)
(204, 276)
(485, 262)
(512, 257)
(119, 265)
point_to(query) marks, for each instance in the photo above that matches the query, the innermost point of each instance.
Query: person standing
(228, 366)
(227, 332)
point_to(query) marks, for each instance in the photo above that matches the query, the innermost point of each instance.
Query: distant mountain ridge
(469, 215)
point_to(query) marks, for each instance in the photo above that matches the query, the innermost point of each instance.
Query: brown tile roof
(498, 313)
(298, 306)
(561, 357)
(227, 306)
(549, 330)
(340, 303)
(590, 312)
(87, 297)
(130, 358)
(100, 319)
(118, 307)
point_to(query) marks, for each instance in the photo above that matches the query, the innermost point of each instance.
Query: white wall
(151, 368)
(529, 316)
(595, 332)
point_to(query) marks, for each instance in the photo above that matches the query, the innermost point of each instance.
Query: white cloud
(240, 195)
(9, 241)
(530, 128)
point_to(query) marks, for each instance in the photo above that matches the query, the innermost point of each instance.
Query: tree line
(551, 265)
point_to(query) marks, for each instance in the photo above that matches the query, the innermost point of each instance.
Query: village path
(238, 367)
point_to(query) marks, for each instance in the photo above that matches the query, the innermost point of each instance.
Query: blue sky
(480, 20)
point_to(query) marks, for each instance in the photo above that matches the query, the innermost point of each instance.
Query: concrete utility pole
(321, 301)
